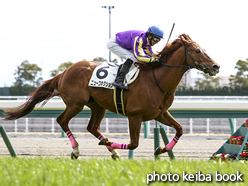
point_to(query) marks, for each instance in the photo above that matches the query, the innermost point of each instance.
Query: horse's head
(196, 57)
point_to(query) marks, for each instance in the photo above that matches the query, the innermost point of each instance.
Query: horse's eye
(198, 51)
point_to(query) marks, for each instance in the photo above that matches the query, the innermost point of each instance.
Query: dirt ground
(47, 145)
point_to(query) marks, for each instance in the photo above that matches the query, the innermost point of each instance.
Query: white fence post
(149, 127)
(26, 120)
(53, 129)
(107, 125)
(208, 121)
(191, 126)
(16, 126)
(234, 124)
(168, 129)
(127, 126)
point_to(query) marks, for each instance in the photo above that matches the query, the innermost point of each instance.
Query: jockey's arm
(137, 50)
(148, 51)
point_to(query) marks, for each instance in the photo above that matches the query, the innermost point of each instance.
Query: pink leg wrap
(108, 147)
(72, 139)
(119, 145)
(173, 142)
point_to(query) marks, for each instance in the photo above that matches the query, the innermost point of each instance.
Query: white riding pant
(123, 53)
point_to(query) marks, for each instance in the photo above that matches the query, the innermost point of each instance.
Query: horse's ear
(188, 38)
(185, 38)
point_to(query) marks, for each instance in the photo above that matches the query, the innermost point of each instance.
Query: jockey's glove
(158, 60)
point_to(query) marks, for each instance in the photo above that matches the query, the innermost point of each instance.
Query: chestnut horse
(149, 97)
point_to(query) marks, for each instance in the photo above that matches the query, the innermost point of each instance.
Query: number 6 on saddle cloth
(104, 75)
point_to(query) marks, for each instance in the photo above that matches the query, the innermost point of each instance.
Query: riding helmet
(155, 31)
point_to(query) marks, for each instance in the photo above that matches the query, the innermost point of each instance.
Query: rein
(197, 66)
(159, 85)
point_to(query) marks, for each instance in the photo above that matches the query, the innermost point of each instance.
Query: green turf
(91, 172)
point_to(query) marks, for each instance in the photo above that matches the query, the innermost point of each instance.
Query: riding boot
(121, 76)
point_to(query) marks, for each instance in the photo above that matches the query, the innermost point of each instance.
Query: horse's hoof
(73, 156)
(75, 153)
(158, 151)
(102, 142)
(105, 141)
(115, 156)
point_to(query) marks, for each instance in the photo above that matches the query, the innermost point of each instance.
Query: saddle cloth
(104, 75)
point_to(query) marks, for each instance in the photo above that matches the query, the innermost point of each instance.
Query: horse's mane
(167, 51)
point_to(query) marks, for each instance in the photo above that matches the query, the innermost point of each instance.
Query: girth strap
(118, 100)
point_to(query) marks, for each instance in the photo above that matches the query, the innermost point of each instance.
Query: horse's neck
(169, 77)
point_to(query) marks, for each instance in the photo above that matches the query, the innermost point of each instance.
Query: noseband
(197, 65)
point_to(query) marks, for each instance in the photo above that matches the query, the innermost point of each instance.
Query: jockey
(134, 46)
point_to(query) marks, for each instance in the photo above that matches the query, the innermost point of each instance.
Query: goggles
(156, 39)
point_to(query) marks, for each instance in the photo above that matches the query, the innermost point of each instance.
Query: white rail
(207, 125)
(177, 104)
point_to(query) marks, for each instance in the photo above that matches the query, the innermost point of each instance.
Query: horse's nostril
(216, 67)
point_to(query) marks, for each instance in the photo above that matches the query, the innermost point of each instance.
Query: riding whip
(170, 33)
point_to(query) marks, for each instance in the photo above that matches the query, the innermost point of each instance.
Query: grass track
(106, 172)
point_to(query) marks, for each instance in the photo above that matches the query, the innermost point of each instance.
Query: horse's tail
(44, 92)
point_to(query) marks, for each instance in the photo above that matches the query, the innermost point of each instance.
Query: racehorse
(149, 97)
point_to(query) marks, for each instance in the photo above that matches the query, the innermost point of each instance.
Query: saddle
(104, 75)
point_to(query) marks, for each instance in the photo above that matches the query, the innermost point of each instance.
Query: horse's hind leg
(97, 114)
(63, 121)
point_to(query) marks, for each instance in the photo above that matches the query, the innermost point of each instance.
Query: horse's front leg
(167, 119)
(134, 129)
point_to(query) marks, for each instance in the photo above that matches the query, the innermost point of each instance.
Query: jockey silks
(137, 42)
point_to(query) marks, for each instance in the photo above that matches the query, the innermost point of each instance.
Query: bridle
(197, 66)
